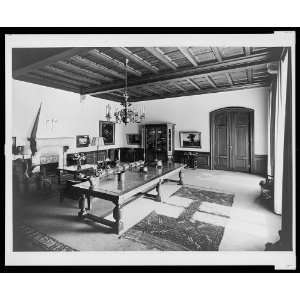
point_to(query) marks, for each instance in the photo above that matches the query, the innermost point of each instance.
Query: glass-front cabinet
(158, 141)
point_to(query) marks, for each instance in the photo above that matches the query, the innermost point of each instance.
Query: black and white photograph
(150, 149)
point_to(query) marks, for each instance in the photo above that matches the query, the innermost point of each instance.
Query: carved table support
(117, 216)
(180, 178)
(158, 189)
(82, 205)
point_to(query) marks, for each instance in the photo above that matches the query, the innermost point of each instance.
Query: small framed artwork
(82, 141)
(190, 139)
(133, 139)
(107, 131)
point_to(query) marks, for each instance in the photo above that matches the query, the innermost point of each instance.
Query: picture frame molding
(188, 132)
(101, 123)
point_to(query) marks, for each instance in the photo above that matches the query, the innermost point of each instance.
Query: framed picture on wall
(107, 131)
(190, 139)
(82, 141)
(133, 139)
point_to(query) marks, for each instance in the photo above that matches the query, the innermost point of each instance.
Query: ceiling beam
(133, 57)
(188, 55)
(250, 75)
(151, 90)
(60, 78)
(205, 91)
(193, 83)
(98, 68)
(229, 78)
(112, 61)
(217, 54)
(49, 82)
(50, 60)
(84, 72)
(178, 86)
(216, 68)
(161, 57)
(219, 58)
(166, 89)
(70, 75)
(211, 82)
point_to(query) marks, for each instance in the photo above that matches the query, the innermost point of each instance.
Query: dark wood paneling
(260, 164)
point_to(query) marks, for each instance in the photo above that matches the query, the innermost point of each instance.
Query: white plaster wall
(74, 117)
(77, 117)
(192, 113)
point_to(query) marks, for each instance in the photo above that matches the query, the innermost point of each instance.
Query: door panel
(240, 141)
(232, 140)
(221, 159)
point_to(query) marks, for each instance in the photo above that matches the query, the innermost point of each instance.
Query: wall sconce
(51, 122)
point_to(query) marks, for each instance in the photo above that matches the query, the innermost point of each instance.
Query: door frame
(251, 133)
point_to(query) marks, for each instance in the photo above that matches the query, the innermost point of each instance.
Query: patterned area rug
(185, 233)
(29, 239)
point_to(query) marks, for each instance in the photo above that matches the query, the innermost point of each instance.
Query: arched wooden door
(232, 139)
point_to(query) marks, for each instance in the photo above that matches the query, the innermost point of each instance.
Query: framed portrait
(107, 131)
(190, 139)
(82, 141)
(133, 139)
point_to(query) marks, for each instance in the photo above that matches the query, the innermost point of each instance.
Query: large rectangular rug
(186, 233)
(27, 238)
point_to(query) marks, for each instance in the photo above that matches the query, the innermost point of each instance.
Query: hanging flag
(32, 138)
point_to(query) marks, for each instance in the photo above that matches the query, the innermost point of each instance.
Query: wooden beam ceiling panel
(193, 83)
(250, 75)
(98, 68)
(188, 55)
(217, 54)
(161, 57)
(49, 82)
(114, 62)
(84, 72)
(131, 56)
(229, 78)
(206, 91)
(70, 75)
(178, 86)
(60, 78)
(50, 60)
(211, 82)
(215, 68)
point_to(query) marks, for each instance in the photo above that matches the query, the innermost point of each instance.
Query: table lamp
(97, 141)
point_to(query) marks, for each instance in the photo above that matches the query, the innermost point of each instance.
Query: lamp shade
(97, 141)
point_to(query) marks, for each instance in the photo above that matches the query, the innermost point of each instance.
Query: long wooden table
(122, 191)
(74, 170)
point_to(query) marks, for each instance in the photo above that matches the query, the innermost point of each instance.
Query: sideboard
(193, 159)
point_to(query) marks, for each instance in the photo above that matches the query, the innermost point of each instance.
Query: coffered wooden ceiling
(153, 73)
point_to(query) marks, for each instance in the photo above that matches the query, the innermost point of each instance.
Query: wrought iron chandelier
(128, 114)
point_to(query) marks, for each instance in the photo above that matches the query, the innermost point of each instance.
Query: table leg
(180, 178)
(158, 189)
(117, 216)
(82, 205)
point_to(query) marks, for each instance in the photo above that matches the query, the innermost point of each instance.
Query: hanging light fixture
(128, 114)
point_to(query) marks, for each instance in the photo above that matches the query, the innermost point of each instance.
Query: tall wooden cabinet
(158, 141)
